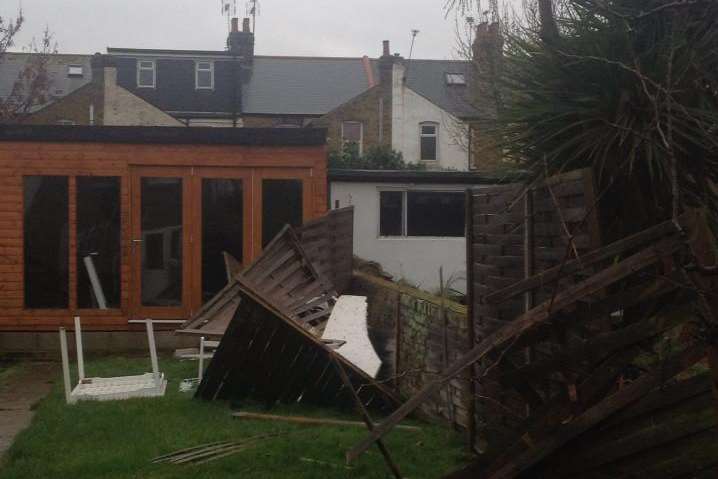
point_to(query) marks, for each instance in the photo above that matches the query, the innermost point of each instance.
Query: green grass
(118, 439)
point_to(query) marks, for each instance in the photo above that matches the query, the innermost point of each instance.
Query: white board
(348, 322)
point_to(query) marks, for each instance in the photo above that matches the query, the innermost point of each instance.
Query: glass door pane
(281, 205)
(161, 238)
(222, 230)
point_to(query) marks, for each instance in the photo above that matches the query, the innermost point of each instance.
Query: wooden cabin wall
(19, 159)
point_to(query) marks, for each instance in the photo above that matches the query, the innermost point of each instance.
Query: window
(204, 75)
(455, 79)
(352, 134)
(427, 137)
(288, 122)
(421, 214)
(74, 71)
(432, 213)
(98, 242)
(222, 230)
(46, 242)
(391, 214)
(146, 74)
(281, 205)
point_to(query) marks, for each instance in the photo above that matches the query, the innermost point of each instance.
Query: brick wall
(75, 107)
(365, 108)
(423, 336)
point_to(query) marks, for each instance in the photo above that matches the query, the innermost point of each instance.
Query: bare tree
(32, 85)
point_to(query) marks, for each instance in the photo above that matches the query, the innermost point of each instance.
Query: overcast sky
(284, 27)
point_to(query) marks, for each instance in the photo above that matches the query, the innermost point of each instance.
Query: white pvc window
(74, 71)
(428, 136)
(204, 75)
(455, 79)
(146, 74)
(353, 133)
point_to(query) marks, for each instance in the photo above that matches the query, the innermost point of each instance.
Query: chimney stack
(386, 48)
(241, 43)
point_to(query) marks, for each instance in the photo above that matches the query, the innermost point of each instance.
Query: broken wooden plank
(311, 421)
(611, 404)
(367, 419)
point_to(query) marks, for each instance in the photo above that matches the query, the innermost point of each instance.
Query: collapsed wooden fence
(585, 361)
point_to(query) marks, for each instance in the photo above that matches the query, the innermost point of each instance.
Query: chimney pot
(235, 24)
(386, 48)
(245, 25)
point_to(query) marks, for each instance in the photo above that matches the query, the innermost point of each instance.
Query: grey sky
(284, 27)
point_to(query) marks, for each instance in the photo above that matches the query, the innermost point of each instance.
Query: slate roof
(11, 64)
(273, 85)
(302, 85)
(428, 78)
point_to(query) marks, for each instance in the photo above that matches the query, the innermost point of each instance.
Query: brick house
(421, 108)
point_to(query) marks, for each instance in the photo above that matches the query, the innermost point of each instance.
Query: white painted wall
(409, 110)
(415, 259)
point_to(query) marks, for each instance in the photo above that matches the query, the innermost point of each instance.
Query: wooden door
(161, 243)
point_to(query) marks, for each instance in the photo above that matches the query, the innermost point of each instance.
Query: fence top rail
(414, 292)
(569, 267)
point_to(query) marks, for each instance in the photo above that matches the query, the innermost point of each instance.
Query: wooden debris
(211, 452)
(311, 421)
(300, 272)
(522, 324)
(267, 355)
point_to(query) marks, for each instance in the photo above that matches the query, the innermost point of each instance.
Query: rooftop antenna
(470, 21)
(253, 11)
(229, 10)
(414, 33)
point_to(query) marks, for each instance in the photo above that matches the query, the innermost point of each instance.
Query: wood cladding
(76, 159)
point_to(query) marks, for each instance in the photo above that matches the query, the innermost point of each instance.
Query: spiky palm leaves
(629, 87)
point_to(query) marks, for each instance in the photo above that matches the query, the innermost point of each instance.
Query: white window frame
(140, 69)
(197, 69)
(72, 71)
(361, 134)
(436, 140)
(455, 79)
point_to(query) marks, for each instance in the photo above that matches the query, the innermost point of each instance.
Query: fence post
(397, 345)
(469, 207)
(528, 265)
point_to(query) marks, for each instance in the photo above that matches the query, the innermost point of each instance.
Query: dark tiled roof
(302, 85)
(175, 90)
(428, 78)
(271, 85)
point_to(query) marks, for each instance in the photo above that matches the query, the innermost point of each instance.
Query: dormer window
(146, 77)
(204, 75)
(74, 71)
(455, 79)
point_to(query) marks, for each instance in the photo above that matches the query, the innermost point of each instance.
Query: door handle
(137, 241)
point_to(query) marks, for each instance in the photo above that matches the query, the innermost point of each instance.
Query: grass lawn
(118, 439)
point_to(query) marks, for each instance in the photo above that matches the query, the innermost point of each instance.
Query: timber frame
(251, 155)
